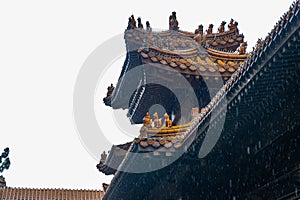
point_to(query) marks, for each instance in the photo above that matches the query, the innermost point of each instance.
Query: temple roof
(195, 55)
(174, 137)
(189, 53)
(9, 193)
(269, 63)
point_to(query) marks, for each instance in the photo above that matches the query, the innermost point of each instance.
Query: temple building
(228, 122)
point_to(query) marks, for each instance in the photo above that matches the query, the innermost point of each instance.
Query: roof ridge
(224, 54)
(64, 189)
(185, 52)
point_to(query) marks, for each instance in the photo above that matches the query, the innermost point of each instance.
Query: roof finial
(140, 25)
(173, 23)
(221, 29)
(200, 28)
(233, 25)
(103, 157)
(210, 29)
(148, 26)
(131, 23)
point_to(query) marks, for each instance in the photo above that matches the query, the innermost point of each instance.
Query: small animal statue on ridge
(231, 25)
(110, 90)
(242, 49)
(221, 29)
(147, 121)
(168, 121)
(131, 23)
(195, 112)
(173, 23)
(140, 25)
(148, 26)
(210, 29)
(157, 121)
(103, 157)
(198, 37)
(258, 43)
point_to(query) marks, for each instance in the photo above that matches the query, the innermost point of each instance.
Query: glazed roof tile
(9, 193)
(194, 64)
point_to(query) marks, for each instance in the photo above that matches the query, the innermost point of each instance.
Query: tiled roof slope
(9, 193)
(193, 63)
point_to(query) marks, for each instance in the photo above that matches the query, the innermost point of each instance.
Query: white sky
(42, 47)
